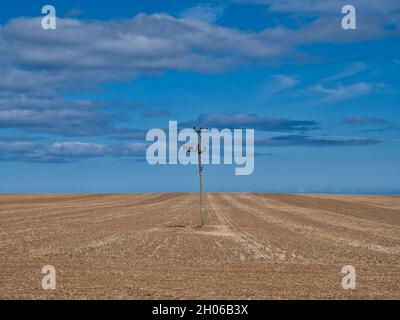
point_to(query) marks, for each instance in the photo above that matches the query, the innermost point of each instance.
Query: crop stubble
(148, 246)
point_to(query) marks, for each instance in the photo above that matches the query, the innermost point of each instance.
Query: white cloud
(106, 50)
(331, 7)
(344, 92)
(75, 13)
(77, 149)
(204, 12)
(66, 151)
(143, 44)
(250, 121)
(36, 67)
(351, 70)
(56, 116)
(277, 83)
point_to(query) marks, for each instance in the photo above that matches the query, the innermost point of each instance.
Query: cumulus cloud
(278, 83)
(56, 116)
(77, 149)
(206, 12)
(312, 141)
(381, 130)
(360, 120)
(146, 43)
(43, 64)
(251, 121)
(74, 13)
(66, 151)
(37, 67)
(331, 7)
(344, 92)
(155, 43)
(321, 23)
(351, 70)
(20, 81)
(21, 150)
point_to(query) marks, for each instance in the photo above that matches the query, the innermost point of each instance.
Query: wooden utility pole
(199, 150)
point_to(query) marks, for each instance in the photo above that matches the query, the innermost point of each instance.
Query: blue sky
(75, 102)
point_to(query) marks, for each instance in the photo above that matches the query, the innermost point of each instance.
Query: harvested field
(147, 246)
